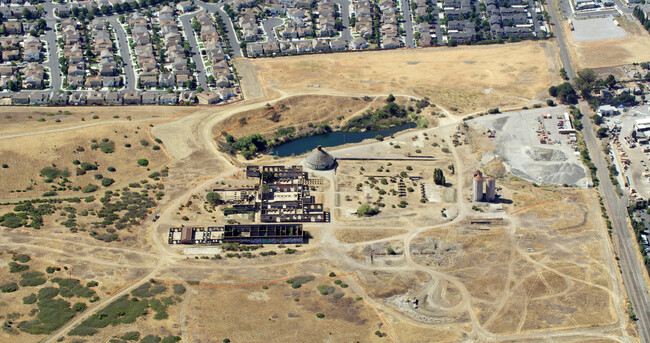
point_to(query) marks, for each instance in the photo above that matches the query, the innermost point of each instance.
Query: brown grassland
(466, 78)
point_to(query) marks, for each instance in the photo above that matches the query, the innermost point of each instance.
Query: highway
(625, 244)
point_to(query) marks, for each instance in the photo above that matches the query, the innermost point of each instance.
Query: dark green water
(303, 145)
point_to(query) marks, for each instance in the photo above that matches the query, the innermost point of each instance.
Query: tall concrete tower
(477, 186)
(490, 189)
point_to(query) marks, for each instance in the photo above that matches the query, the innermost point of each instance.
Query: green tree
(213, 198)
(585, 82)
(438, 176)
(143, 162)
(366, 210)
(390, 98)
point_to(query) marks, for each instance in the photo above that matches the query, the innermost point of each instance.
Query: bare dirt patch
(364, 235)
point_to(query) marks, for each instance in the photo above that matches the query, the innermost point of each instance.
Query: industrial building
(243, 234)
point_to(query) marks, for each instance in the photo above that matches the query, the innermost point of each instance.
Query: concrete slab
(596, 29)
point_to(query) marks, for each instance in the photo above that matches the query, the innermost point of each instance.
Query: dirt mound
(495, 168)
(546, 155)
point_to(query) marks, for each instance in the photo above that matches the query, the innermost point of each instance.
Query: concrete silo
(490, 189)
(477, 186)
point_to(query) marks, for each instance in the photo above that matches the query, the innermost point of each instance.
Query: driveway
(186, 23)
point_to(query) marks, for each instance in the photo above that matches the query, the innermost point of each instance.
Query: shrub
(22, 258)
(179, 289)
(107, 147)
(5, 166)
(32, 279)
(98, 176)
(17, 268)
(150, 339)
(156, 147)
(30, 299)
(144, 143)
(47, 293)
(320, 315)
(107, 182)
(131, 336)
(9, 287)
(297, 282)
(325, 289)
(79, 307)
(89, 188)
(143, 162)
(111, 169)
(88, 166)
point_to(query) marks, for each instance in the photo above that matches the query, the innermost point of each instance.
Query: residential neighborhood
(132, 52)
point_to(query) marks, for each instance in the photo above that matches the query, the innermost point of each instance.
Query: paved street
(186, 23)
(625, 245)
(268, 24)
(53, 48)
(130, 81)
(344, 7)
(409, 40)
(230, 31)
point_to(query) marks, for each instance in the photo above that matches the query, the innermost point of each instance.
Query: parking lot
(596, 29)
(533, 148)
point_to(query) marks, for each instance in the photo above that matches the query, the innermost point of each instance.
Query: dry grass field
(544, 272)
(466, 78)
(612, 52)
(278, 312)
(27, 155)
(296, 111)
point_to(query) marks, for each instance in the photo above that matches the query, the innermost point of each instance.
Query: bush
(179, 289)
(17, 268)
(320, 315)
(4, 165)
(144, 143)
(47, 293)
(143, 162)
(325, 289)
(297, 282)
(111, 169)
(79, 307)
(131, 336)
(107, 147)
(30, 299)
(89, 188)
(150, 339)
(9, 287)
(32, 279)
(98, 176)
(107, 182)
(22, 258)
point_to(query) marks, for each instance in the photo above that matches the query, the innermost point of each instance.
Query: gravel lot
(517, 143)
